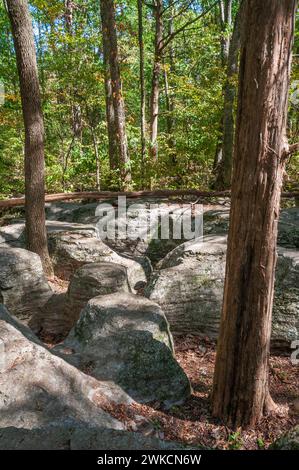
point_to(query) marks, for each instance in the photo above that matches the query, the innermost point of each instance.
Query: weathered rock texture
(60, 313)
(38, 388)
(47, 404)
(23, 286)
(126, 339)
(71, 250)
(54, 320)
(72, 435)
(145, 222)
(93, 280)
(288, 228)
(14, 234)
(75, 212)
(141, 214)
(189, 288)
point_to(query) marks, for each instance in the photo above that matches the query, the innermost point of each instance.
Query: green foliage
(235, 441)
(72, 82)
(260, 443)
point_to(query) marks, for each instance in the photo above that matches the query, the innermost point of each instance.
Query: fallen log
(104, 195)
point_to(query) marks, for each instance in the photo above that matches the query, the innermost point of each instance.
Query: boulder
(125, 339)
(288, 228)
(285, 325)
(23, 286)
(93, 280)
(47, 404)
(189, 288)
(72, 435)
(76, 212)
(289, 441)
(70, 250)
(203, 250)
(54, 226)
(141, 215)
(54, 320)
(216, 221)
(38, 388)
(144, 225)
(14, 234)
(61, 312)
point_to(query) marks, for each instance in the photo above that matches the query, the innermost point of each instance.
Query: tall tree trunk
(76, 117)
(225, 163)
(241, 391)
(36, 234)
(168, 97)
(68, 15)
(142, 90)
(110, 116)
(98, 163)
(225, 23)
(109, 24)
(40, 56)
(155, 93)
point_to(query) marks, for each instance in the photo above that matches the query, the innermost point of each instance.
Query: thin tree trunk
(109, 24)
(225, 22)
(110, 116)
(36, 233)
(40, 56)
(65, 162)
(142, 90)
(68, 15)
(75, 107)
(98, 166)
(155, 93)
(168, 97)
(167, 101)
(225, 163)
(241, 391)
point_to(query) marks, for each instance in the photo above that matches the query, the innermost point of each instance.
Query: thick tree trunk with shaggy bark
(36, 234)
(241, 393)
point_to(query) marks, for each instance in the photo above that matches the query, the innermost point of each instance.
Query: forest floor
(192, 423)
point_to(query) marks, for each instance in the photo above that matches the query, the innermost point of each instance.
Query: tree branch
(152, 6)
(182, 10)
(166, 40)
(104, 195)
(171, 5)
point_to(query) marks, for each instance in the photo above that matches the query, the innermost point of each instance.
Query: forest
(191, 72)
(149, 225)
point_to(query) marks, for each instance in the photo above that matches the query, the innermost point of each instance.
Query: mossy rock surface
(125, 339)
